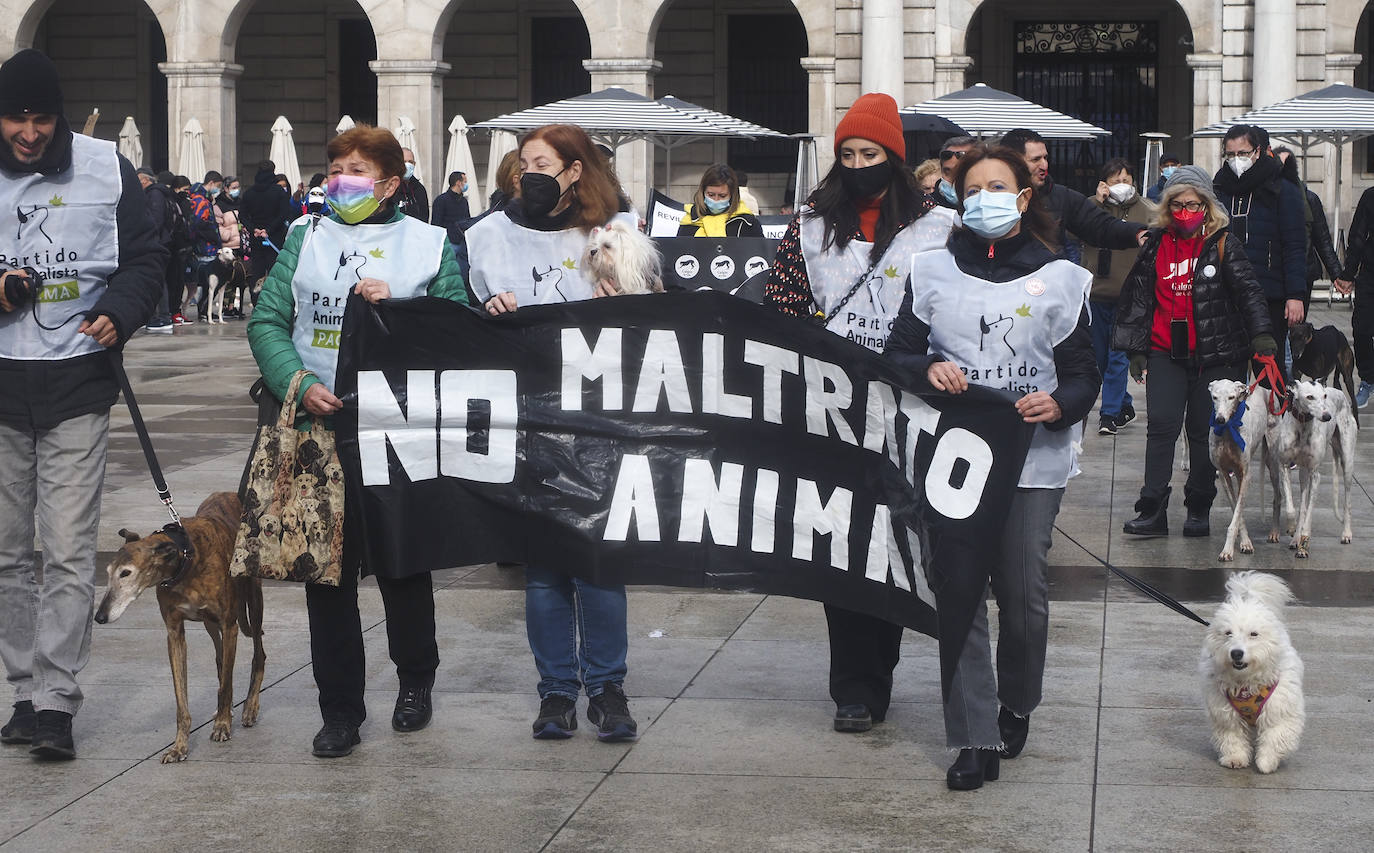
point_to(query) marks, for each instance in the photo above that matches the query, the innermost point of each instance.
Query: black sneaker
(20, 727)
(52, 737)
(1127, 415)
(336, 739)
(557, 718)
(609, 711)
(1106, 425)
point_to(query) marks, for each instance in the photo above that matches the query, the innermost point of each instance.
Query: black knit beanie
(28, 84)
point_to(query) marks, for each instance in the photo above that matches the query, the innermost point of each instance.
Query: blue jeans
(1112, 364)
(577, 633)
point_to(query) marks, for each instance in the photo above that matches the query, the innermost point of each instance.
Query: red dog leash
(1278, 392)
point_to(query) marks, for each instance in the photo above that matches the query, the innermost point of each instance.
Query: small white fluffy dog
(1252, 676)
(623, 255)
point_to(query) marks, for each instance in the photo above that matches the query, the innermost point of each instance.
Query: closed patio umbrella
(283, 151)
(459, 159)
(191, 160)
(345, 123)
(405, 134)
(130, 144)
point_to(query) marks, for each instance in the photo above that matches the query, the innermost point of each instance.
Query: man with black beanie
(76, 244)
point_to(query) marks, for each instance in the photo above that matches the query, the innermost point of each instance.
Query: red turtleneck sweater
(868, 216)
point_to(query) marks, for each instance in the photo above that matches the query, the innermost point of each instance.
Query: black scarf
(57, 157)
(1266, 169)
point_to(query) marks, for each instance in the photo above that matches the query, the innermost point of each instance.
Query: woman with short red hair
(366, 246)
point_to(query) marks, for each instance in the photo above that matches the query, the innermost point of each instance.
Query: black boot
(1153, 519)
(1014, 730)
(336, 739)
(853, 718)
(1198, 521)
(52, 737)
(971, 769)
(20, 727)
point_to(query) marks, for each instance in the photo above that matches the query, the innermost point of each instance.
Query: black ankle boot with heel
(1153, 519)
(972, 768)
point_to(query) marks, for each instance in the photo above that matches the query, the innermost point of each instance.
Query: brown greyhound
(204, 593)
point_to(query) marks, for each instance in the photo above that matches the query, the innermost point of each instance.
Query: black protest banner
(686, 439)
(721, 263)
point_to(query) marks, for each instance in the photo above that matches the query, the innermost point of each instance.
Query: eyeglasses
(1190, 206)
(945, 154)
(1246, 154)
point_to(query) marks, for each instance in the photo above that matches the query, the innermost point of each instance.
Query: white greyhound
(1319, 421)
(1239, 417)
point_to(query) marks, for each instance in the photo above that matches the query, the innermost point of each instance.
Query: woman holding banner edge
(526, 254)
(843, 263)
(366, 246)
(1031, 306)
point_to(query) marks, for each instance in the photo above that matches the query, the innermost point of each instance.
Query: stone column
(882, 58)
(1340, 204)
(1274, 58)
(950, 74)
(1206, 106)
(415, 88)
(634, 162)
(204, 91)
(820, 106)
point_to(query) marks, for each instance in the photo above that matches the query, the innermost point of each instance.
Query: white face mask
(1240, 165)
(1121, 193)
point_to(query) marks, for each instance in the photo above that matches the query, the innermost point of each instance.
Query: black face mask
(540, 193)
(867, 181)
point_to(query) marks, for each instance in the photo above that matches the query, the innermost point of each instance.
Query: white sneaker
(159, 329)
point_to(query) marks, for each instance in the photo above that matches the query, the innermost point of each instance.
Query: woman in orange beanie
(843, 263)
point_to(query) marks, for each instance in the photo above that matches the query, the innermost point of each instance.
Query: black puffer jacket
(1228, 306)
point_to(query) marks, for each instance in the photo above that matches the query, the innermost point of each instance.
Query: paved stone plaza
(736, 750)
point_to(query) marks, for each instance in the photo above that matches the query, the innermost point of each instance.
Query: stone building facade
(1132, 65)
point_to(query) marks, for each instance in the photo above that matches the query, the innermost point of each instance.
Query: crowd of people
(1174, 289)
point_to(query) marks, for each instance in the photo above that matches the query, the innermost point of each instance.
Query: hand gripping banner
(684, 439)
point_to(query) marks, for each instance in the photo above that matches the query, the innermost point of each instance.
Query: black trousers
(1362, 328)
(336, 639)
(1178, 400)
(1278, 323)
(864, 651)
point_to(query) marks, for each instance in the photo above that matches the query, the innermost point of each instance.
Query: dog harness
(1249, 704)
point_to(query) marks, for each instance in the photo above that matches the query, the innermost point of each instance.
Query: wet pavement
(736, 750)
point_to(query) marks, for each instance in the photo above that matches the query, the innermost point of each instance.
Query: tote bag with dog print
(293, 503)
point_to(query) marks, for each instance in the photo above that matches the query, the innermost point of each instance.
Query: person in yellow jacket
(716, 209)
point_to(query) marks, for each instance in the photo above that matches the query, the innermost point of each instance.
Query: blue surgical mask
(947, 191)
(464, 189)
(714, 207)
(1168, 172)
(991, 215)
(233, 193)
(410, 171)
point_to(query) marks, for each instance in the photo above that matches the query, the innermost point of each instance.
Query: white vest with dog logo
(405, 254)
(539, 267)
(867, 317)
(1003, 335)
(63, 226)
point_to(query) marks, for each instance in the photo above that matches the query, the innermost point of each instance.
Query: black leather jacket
(1229, 308)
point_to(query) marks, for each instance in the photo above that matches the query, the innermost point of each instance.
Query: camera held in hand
(19, 287)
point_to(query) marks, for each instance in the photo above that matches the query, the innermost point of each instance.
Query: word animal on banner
(686, 439)
(692, 263)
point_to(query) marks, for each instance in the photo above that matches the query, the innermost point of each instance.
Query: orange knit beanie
(873, 116)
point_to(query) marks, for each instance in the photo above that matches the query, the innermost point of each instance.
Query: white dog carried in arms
(1252, 676)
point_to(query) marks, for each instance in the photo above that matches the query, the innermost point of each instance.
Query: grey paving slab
(1149, 819)
(315, 807)
(31, 793)
(634, 811)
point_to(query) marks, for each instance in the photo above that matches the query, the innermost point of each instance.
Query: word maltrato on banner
(685, 439)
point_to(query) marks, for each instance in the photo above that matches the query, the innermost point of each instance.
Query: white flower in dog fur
(1247, 654)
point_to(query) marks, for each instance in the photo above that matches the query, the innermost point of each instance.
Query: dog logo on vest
(35, 216)
(985, 328)
(543, 281)
(346, 259)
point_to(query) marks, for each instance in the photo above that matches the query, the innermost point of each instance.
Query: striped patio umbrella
(728, 124)
(1337, 114)
(984, 111)
(612, 117)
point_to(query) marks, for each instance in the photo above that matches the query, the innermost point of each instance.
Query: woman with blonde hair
(1191, 311)
(716, 209)
(927, 176)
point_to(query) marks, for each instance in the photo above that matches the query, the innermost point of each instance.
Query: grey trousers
(1020, 582)
(50, 479)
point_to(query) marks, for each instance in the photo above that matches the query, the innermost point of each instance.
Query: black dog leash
(175, 531)
(1158, 595)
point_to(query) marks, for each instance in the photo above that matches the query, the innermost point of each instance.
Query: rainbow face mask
(351, 197)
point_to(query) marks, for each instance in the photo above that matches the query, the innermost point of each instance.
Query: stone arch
(818, 16)
(1342, 21)
(25, 25)
(234, 16)
(1203, 18)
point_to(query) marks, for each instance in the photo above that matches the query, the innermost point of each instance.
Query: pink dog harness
(1250, 704)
